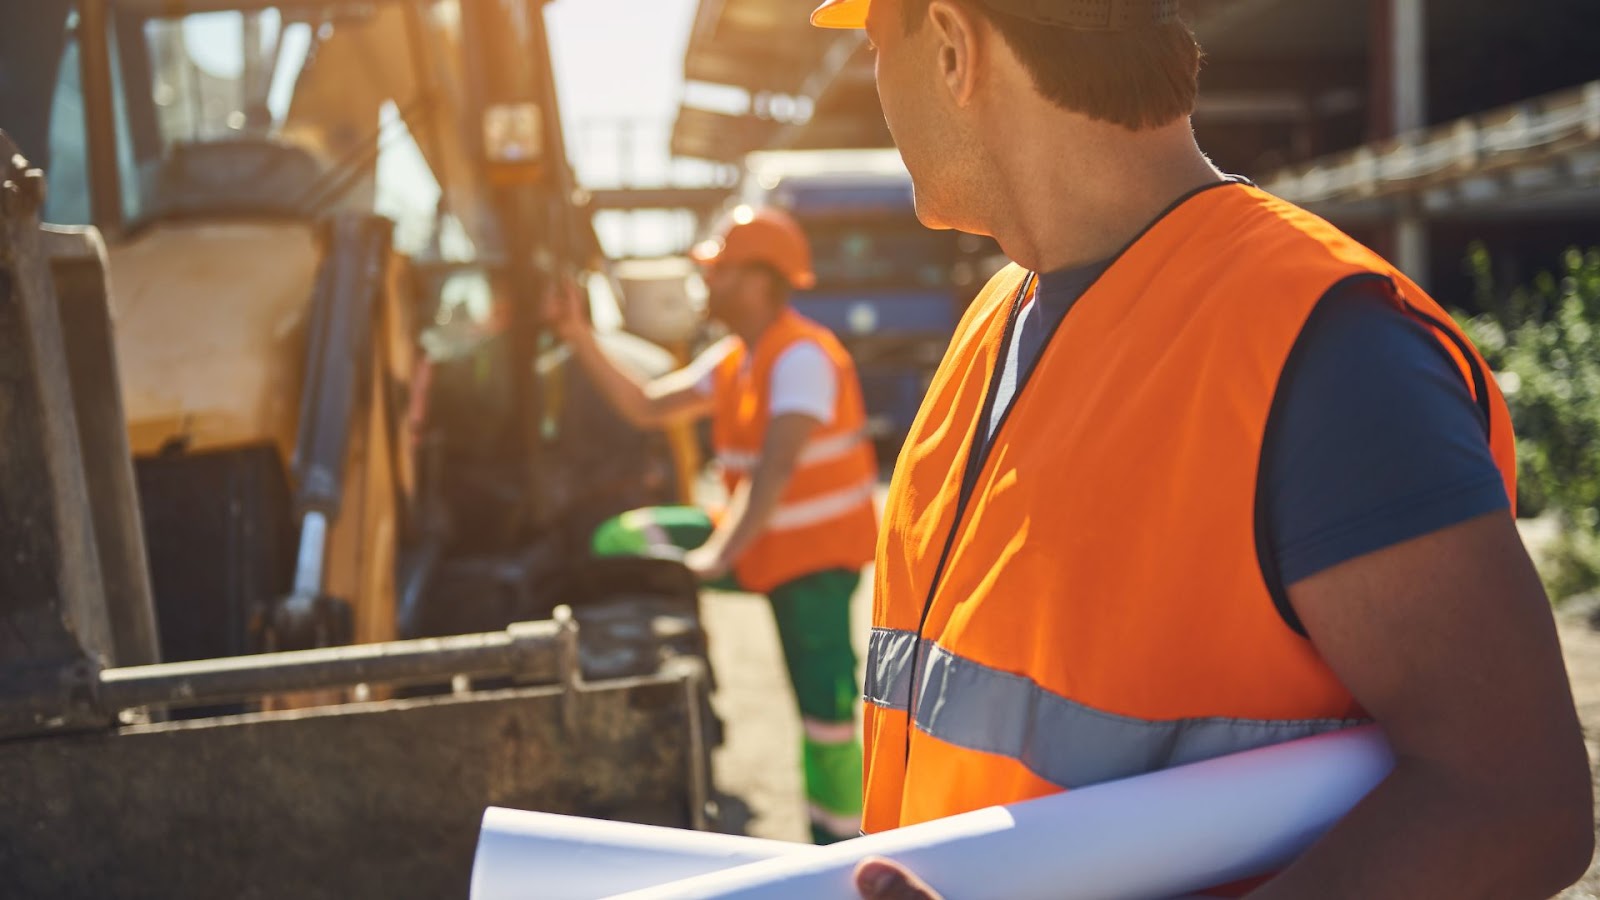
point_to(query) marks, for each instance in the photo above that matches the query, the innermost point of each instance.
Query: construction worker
(788, 429)
(1197, 474)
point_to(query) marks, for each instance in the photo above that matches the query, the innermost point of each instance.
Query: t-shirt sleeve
(1376, 439)
(701, 370)
(804, 382)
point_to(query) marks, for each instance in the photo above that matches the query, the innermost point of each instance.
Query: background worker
(1198, 474)
(788, 429)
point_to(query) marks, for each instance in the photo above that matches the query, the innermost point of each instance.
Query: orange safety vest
(825, 518)
(1093, 605)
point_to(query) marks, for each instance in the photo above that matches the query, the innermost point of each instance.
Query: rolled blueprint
(1155, 836)
(540, 856)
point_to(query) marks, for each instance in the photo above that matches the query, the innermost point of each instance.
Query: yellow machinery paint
(210, 327)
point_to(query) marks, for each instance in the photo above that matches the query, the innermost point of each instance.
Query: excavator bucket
(361, 800)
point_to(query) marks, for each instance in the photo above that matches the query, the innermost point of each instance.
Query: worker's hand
(880, 879)
(563, 311)
(708, 562)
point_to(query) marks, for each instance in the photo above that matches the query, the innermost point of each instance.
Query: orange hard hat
(1087, 15)
(765, 236)
(841, 14)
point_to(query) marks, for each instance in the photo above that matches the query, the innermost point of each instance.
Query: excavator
(296, 498)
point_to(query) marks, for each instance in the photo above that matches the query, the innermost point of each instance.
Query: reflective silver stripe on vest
(822, 507)
(889, 657)
(828, 449)
(737, 460)
(815, 452)
(1066, 743)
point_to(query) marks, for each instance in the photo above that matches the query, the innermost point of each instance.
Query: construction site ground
(758, 766)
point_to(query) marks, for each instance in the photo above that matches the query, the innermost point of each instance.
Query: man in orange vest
(788, 428)
(1198, 473)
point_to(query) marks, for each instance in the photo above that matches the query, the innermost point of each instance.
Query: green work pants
(813, 618)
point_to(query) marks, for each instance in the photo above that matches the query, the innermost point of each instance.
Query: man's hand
(563, 311)
(881, 879)
(674, 397)
(708, 562)
(755, 498)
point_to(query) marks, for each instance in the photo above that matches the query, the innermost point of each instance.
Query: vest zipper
(977, 456)
(976, 461)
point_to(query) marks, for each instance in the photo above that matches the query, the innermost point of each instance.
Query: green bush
(1543, 341)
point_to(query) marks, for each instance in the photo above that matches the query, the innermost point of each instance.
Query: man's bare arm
(671, 398)
(756, 499)
(1448, 641)
(674, 397)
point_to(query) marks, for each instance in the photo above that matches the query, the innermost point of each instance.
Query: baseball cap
(1084, 15)
(765, 236)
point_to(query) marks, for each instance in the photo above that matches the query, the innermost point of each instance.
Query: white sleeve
(701, 370)
(804, 381)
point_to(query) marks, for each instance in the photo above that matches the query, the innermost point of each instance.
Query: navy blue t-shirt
(1374, 440)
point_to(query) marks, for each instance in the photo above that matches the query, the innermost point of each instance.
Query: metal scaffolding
(1538, 153)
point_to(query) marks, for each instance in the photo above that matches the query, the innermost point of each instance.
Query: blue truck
(892, 289)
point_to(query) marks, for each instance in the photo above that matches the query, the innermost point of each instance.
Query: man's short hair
(1137, 78)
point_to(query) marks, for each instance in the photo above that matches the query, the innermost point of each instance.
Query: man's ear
(959, 35)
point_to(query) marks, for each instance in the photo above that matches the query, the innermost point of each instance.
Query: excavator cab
(294, 219)
(313, 493)
(264, 316)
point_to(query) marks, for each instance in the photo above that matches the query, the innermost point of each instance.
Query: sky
(619, 61)
(619, 77)
(619, 58)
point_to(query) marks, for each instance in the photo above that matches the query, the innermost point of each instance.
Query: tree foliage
(1543, 341)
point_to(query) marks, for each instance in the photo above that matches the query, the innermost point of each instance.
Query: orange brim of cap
(841, 14)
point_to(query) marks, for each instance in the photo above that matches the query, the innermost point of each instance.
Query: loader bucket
(377, 800)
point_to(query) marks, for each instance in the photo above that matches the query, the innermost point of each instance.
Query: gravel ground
(758, 767)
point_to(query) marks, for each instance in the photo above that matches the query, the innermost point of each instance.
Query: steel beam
(529, 652)
(54, 631)
(99, 113)
(659, 198)
(175, 8)
(78, 264)
(1408, 51)
(363, 800)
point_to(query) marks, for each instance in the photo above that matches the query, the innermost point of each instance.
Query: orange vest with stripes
(1091, 604)
(825, 518)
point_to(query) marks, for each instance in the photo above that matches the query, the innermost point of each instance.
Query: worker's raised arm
(675, 397)
(1448, 642)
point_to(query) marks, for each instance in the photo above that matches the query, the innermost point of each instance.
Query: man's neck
(1078, 193)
